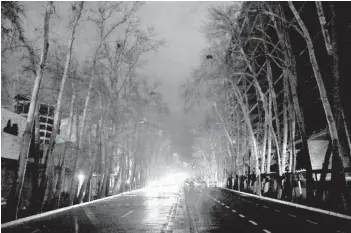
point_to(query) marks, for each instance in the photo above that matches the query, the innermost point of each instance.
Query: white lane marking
(340, 231)
(127, 214)
(249, 201)
(257, 204)
(241, 215)
(265, 206)
(233, 211)
(277, 210)
(267, 231)
(254, 223)
(311, 221)
(227, 207)
(291, 215)
(222, 203)
(290, 204)
(126, 204)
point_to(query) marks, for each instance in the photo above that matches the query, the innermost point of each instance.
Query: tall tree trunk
(35, 171)
(85, 189)
(106, 163)
(123, 166)
(323, 23)
(292, 165)
(135, 153)
(85, 186)
(269, 136)
(276, 136)
(337, 170)
(290, 62)
(338, 174)
(15, 197)
(74, 184)
(338, 111)
(48, 152)
(253, 140)
(115, 185)
(263, 162)
(62, 174)
(285, 123)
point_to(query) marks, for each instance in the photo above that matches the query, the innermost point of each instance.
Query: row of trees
(251, 80)
(109, 105)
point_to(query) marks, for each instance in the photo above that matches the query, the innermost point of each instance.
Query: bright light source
(170, 183)
(81, 178)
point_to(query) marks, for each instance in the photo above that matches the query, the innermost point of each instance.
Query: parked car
(212, 184)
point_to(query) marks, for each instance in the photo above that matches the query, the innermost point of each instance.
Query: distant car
(212, 184)
(201, 184)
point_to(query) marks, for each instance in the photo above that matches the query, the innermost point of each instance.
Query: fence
(292, 187)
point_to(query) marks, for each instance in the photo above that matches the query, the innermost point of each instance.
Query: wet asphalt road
(218, 210)
(206, 210)
(139, 211)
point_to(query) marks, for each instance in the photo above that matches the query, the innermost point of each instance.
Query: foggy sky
(178, 23)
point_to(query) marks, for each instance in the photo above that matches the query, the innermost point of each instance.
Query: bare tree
(49, 173)
(338, 169)
(18, 184)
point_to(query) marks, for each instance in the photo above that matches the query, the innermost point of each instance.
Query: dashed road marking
(311, 221)
(252, 222)
(227, 207)
(265, 206)
(291, 215)
(257, 204)
(340, 231)
(267, 231)
(222, 203)
(233, 211)
(127, 214)
(241, 215)
(277, 210)
(249, 201)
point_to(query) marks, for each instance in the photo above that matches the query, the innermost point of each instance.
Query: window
(19, 108)
(42, 126)
(48, 135)
(49, 128)
(41, 134)
(50, 121)
(43, 119)
(43, 109)
(26, 108)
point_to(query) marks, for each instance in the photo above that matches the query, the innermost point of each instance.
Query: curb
(331, 213)
(33, 217)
